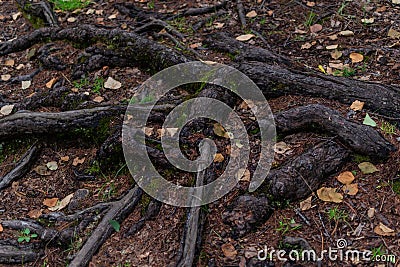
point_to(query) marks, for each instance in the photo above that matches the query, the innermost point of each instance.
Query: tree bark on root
(359, 138)
(23, 166)
(118, 212)
(278, 76)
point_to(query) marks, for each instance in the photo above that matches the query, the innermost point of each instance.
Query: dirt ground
(311, 34)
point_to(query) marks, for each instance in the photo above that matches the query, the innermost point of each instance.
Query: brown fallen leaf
(310, 4)
(42, 170)
(220, 131)
(34, 214)
(336, 54)
(229, 250)
(219, 157)
(98, 99)
(245, 37)
(346, 33)
(350, 189)
(306, 46)
(9, 62)
(62, 204)
(346, 177)
(315, 28)
(78, 161)
(383, 230)
(50, 202)
(357, 105)
(251, 14)
(329, 194)
(332, 47)
(393, 34)
(306, 204)
(50, 83)
(356, 57)
(1, 228)
(281, 148)
(371, 212)
(66, 158)
(245, 177)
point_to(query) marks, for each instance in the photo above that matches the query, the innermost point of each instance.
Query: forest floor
(356, 39)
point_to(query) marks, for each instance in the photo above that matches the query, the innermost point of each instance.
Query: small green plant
(25, 235)
(388, 128)
(151, 4)
(342, 7)
(337, 216)
(98, 84)
(69, 5)
(263, 21)
(147, 99)
(81, 83)
(377, 251)
(310, 19)
(286, 225)
(346, 72)
(396, 187)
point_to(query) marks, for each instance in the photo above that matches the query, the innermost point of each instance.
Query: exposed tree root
(23, 166)
(277, 76)
(118, 211)
(359, 138)
(13, 253)
(25, 122)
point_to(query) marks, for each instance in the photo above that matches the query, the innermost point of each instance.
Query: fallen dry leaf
(357, 105)
(329, 194)
(315, 28)
(6, 110)
(306, 46)
(5, 77)
(346, 177)
(393, 34)
(9, 62)
(15, 16)
(367, 167)
(1, 228)
(310, 4)
(281, 148)
(220, 131)
(245, 37)
(34, 214)
(229, 250)
(42, 170)
(306, 204)
(356, 57)
(383, 230)
(331, 47)
(62, 204)
(98, 99)
(66, 158)
(350, 189)
(26, 84)
(251, 14)
(219, 157)
(78, 161)
(50, 83)
(336, 54)
(346, 33)
(52, 165)
(371, 212)
(112, 84)
(246, 175)
(71, 19)
(218, 25)
(333, 37)
(113, 16)
(50, 202)
(368, 21)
